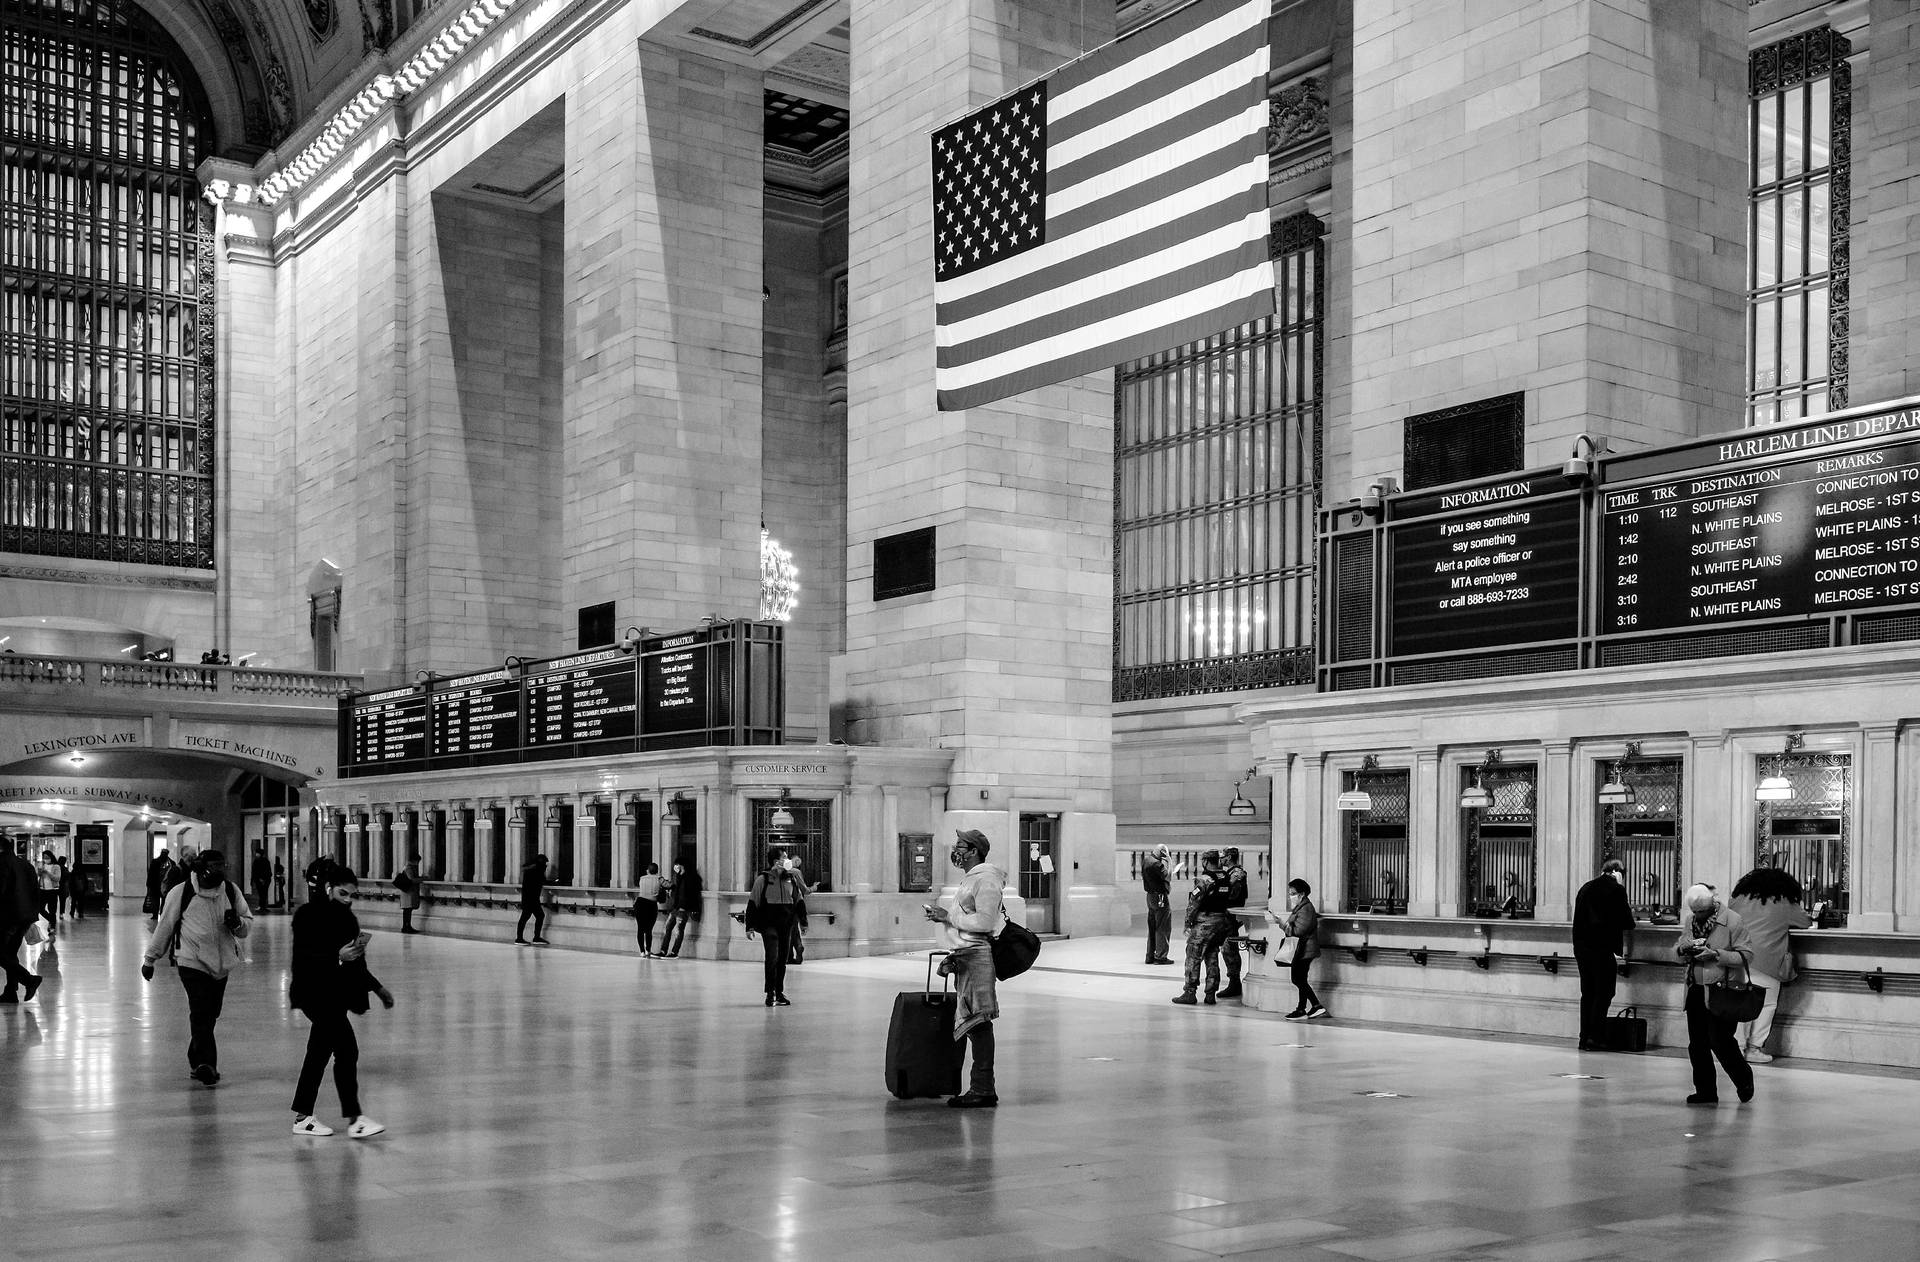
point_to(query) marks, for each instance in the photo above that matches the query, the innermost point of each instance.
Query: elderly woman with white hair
(1715, 947)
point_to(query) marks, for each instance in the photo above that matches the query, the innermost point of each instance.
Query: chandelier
(779, 580)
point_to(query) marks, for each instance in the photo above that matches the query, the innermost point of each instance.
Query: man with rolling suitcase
(976, 916)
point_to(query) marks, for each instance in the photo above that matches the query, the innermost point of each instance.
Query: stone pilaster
(1886, 244)
(1541, 203)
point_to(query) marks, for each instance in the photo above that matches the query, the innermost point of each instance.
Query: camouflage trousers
(1204, 936)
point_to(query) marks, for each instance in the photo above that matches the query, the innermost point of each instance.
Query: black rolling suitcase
(923, 1059)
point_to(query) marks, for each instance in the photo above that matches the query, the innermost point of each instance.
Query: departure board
(1507, 573)
(1820, 535)
(476, 714)
(571, 700)
(673, 671)
(384, 728)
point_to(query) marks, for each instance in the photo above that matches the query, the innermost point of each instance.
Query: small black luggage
(1625, 1032)
(923, 1059)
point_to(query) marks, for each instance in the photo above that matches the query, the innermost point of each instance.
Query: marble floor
(547, 1104)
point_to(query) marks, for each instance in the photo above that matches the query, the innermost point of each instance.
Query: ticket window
(1375, 844)
(1647, 833)
(1039, 838)
(1498, 850)
(1805, 833)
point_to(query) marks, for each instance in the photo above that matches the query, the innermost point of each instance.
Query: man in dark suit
(1601, 918)
(19, 906)
(1155, 880)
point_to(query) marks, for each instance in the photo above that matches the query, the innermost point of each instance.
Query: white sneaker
(311, 1126)
(1317, 1013)
(1757, 1057)
(363, 1127)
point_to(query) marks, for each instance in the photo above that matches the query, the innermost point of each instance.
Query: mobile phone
(926, 906)
(364, 938)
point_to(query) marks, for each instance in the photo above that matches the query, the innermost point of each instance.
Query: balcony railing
(250, 682)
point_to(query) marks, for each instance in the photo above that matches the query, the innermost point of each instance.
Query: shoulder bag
(1736, 1001)
(1015, 948)
(1289, 947)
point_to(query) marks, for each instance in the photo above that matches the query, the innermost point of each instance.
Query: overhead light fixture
(1242, 807)
(1355, 798)
(1776, 787)
(1616, 792)
(1476, 797)
(76, 758)
(781, 821)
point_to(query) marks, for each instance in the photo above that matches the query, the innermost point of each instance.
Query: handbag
(1736, 1001)
(1289, 948)
(35, 936)
(1625, 1031)
(1015, 948)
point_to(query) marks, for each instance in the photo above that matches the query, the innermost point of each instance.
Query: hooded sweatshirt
(205, 943)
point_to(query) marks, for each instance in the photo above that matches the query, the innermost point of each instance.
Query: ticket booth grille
(1806, 833)
(810, 840)
(1647, 835)
(1376, 843)
(1497, 845)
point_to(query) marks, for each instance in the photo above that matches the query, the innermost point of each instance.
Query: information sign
(1508, 573)
(476, 714)
(384, 728)
(572, 700)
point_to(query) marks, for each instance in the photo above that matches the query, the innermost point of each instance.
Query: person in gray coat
(1302, 925)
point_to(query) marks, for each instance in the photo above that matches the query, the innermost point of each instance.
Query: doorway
(1039, 834)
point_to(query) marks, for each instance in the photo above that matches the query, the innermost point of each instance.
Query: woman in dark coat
(329, 980)
(1303, 925)
(772, 905)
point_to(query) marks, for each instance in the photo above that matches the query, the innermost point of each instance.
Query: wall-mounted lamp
(781, 821)
(1375, 499)
(1615, 792)
(1241, 807)
(631, 637)
(510, 662)
(1776, 787)
(1579, 466)
(1476, 797)
(424, 676)
(1357, 798)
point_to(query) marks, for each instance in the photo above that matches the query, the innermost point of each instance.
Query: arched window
(107, 447)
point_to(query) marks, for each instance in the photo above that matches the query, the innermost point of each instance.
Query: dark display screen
(1507, 574)
(1822, 535)
(476, 714)
(673, 672)
(384, 728)
(575, 699)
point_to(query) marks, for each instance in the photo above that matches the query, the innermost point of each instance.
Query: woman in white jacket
(211, 915)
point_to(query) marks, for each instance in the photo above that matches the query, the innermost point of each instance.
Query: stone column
(866, 836)
(483, 872)
(518, 846)
(663, 294)
(1556, 875)
(1433, 848)
(1715, 820)
(625, 826)
(585, 835)
(1546, 199)
(1886, 243)
(1876, 788)
(1008, 661)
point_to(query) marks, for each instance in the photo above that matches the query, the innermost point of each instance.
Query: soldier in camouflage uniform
(1207, 919)
(1236, 879)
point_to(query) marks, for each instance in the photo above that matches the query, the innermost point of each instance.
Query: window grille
(810, 840)
(106, 447)
(1800, 111)
(1498, 848)
(1807, 834)
(1376, 843)
(1647, 835)
(1216, 483)
(1472, 440)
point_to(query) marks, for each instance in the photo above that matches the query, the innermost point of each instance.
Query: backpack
(235, 925)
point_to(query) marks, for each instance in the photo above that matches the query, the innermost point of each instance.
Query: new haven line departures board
(713, 685)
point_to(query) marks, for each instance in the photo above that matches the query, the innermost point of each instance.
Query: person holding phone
(971, 923)
(1714, 945)
(330, 979)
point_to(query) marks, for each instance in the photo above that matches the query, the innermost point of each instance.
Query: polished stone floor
(546, 1104)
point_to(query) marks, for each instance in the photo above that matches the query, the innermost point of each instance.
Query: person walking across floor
(260, 876)
(1158, 886)
(330, 979)
(201, 924)
(771, 906)
(1602, 936)
(279, 883)
(156, 878)
(19, 908)
(1207, 918)
(976, 915)
(47, 873)
(689, 892)
(534, 879)
(646, 908)
(1715, 947)
(1236, 878)
(64, 890)
(1300, 925)
(407, 881)
(1769, 900)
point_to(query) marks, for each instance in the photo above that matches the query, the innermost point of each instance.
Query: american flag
(1114, 209)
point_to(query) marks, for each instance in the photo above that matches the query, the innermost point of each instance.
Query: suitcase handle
(1628, 1011)
(946, 980)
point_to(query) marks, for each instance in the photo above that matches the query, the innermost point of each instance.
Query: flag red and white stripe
(1112, 210)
